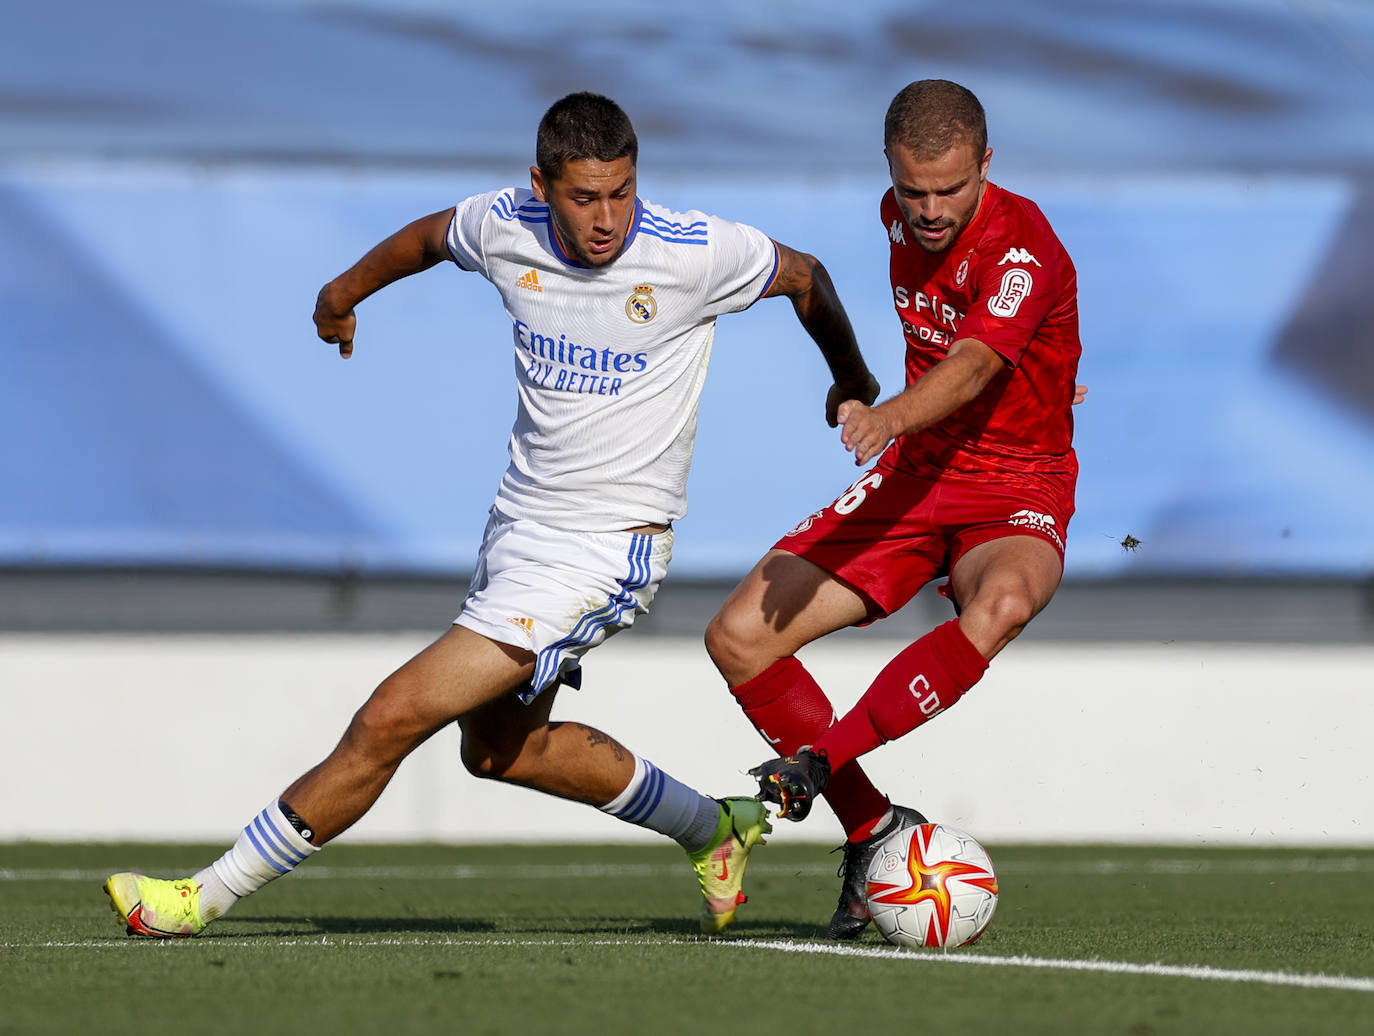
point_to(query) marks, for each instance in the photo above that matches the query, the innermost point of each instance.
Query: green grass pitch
(602, 939)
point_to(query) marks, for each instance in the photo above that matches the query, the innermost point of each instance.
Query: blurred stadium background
(181, 456)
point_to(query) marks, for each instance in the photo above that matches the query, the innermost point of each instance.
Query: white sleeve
(464, 238)
(744, 262)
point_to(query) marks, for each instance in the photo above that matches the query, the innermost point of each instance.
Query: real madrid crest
(640, 306)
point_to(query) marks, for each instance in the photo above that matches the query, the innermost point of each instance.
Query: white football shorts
(560, 593)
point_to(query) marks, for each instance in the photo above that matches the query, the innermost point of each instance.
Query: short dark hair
(930, 116)
(581, 126)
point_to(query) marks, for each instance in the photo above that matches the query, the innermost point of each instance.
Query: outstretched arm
(804, 280)
(415, 247)
(954, 381)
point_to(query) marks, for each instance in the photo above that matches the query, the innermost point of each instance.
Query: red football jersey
(1008, 282)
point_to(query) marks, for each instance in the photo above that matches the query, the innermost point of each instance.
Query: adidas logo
(530, 282)
(525, 624)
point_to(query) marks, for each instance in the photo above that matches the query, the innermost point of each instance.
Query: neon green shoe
(720, 865)
(156, 907)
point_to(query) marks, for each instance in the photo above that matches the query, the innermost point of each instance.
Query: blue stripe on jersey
(697, 229)
(547, 664)
(773, 274)
(451, 254)
(672, 239)
(529, 211)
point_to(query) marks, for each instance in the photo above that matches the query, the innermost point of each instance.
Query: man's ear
(537, 183)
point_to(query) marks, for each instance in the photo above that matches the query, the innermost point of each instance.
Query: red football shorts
(892, 532)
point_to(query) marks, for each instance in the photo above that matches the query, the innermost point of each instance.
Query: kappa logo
(525, 625)
(896, 232)
(1018, 255)
(529, 281)
(1039, 521)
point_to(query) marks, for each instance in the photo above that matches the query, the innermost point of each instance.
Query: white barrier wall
(184, 738)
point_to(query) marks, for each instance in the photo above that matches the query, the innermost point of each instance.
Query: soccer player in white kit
(612, 302)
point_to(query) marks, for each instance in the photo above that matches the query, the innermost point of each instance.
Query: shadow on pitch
(666, 927)
(531, 927)
(307, 926)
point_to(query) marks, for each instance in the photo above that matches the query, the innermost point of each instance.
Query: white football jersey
(609, 361)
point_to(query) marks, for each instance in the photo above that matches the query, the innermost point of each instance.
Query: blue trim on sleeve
(773, 275)
(449, 248)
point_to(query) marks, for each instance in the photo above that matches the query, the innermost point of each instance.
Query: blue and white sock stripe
(647, 798)
(549, 660)
(272, 843)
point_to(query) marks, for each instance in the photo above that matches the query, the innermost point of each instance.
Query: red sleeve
(1018, 280)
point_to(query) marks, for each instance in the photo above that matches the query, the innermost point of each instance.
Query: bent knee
(1005, 609)
(499, 761)
(732, 641)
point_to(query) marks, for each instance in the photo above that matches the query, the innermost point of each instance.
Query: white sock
(215, 896)
(654, 800)
(266, 849)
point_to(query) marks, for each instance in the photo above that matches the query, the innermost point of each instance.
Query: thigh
(1002, 584)
(460, 672)
(786, 602)
(503, 726)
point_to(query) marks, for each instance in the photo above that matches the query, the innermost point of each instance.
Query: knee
(384, 725)
(499, 759)
(729, 643)
(1006, 609)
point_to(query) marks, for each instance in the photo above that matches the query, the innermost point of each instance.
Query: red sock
(790, 710)
(925, 679)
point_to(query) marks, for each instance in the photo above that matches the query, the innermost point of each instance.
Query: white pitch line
(1196, 972)
(1189, 971)
(537, 872)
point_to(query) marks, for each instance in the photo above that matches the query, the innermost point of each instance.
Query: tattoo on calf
(596, 737)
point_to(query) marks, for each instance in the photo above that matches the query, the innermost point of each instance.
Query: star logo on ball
(930, 882)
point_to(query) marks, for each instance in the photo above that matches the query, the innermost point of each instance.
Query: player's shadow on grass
(675, 927)
(306, 926)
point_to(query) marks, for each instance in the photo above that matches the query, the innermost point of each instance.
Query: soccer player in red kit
(974, 480)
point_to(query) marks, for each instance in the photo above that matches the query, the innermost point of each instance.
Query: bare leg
(1001, 585)
(459, 672)
(509, 741)
(784, 603)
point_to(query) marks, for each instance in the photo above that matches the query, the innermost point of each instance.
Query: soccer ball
(931, 885)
